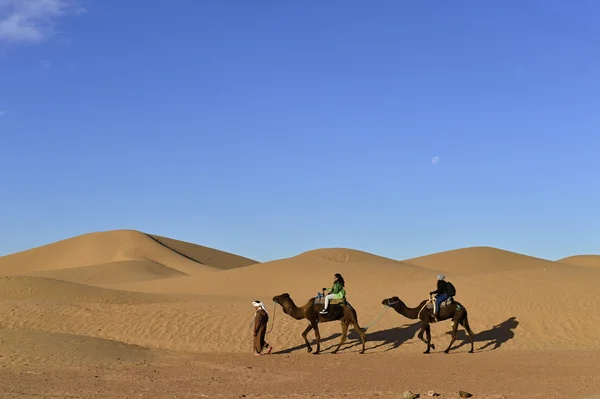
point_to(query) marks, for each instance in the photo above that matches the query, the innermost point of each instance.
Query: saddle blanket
(447, 302)
(321, 301)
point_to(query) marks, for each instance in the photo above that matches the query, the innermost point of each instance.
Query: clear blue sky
(273, 127)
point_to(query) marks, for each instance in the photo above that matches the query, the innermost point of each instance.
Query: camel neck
(292, 310)
(409, 313)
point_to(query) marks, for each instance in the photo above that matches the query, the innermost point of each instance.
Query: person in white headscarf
(261, 319)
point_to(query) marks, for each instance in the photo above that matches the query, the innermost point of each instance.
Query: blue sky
(270, 128)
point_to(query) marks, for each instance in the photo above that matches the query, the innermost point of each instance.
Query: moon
(435, 160)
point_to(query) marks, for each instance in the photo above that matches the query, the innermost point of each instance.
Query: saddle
(320, 300)
(444, 304)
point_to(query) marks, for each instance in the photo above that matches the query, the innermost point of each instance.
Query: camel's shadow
(395, 336)
(495, 336)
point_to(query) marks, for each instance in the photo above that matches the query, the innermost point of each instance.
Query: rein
(378, 318)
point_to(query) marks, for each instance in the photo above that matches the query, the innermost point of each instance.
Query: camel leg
(420, 336)
(344, 333)
(304, 334)
(465, 323)
(362, 336)
(318, 337)
(361, 333)
(454, 330)
(429, 344)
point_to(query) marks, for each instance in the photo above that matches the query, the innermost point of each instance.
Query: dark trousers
(438, 302)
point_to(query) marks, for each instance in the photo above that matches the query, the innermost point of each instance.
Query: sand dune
(582, 260)
(307, 272)
(93, 298)
(125, 271)
(205, 255)
(475, 260)
(118, 256)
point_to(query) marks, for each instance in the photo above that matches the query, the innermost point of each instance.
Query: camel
(310, 311)
(453, 310)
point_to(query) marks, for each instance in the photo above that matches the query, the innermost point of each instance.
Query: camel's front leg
(304, 334)
(318, 337)
(429, 344)
(344, 334)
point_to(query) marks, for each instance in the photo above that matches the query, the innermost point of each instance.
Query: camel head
(391, 301)
(281, 299)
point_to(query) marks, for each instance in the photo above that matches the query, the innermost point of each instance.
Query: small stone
(410, 395)
(464, 394)
(432, 393)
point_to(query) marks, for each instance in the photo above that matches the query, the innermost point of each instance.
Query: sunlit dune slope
(118, 256)
(477, 260)
(582, 260)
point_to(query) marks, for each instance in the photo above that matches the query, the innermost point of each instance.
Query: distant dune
(307, 273)
(582, 260)
(119, 256)
(475, 260)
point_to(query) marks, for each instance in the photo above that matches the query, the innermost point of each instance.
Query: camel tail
(464, 320)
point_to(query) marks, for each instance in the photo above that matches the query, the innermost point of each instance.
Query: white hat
(441, 277)
(260, 304)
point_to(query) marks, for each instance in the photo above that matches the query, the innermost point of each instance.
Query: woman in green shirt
(337, 291)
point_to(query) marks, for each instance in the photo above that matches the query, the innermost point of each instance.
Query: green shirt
(338, 289)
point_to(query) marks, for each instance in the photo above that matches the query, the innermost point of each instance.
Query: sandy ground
(491, 374)
(126, 315)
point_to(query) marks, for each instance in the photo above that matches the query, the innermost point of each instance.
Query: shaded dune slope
(205, 255)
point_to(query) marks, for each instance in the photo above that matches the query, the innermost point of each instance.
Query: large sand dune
(127, 295)
(119, 256)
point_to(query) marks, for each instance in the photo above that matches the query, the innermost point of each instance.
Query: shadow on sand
(394, 336)
(495, 337)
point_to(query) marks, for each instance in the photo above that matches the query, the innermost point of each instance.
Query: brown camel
(454, 311)
(310, 311)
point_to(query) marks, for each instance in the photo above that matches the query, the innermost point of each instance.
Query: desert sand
(124, 314)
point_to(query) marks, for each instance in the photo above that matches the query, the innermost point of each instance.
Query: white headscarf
(441, 277)
(259, 303)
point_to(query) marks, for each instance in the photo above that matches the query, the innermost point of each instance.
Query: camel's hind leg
(345, 325)
(304, 334)
(359, 330)
(465, 323)
(454, 330)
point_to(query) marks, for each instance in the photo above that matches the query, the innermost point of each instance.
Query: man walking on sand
(261, 319)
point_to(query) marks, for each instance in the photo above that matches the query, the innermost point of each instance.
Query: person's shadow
(495, 336)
